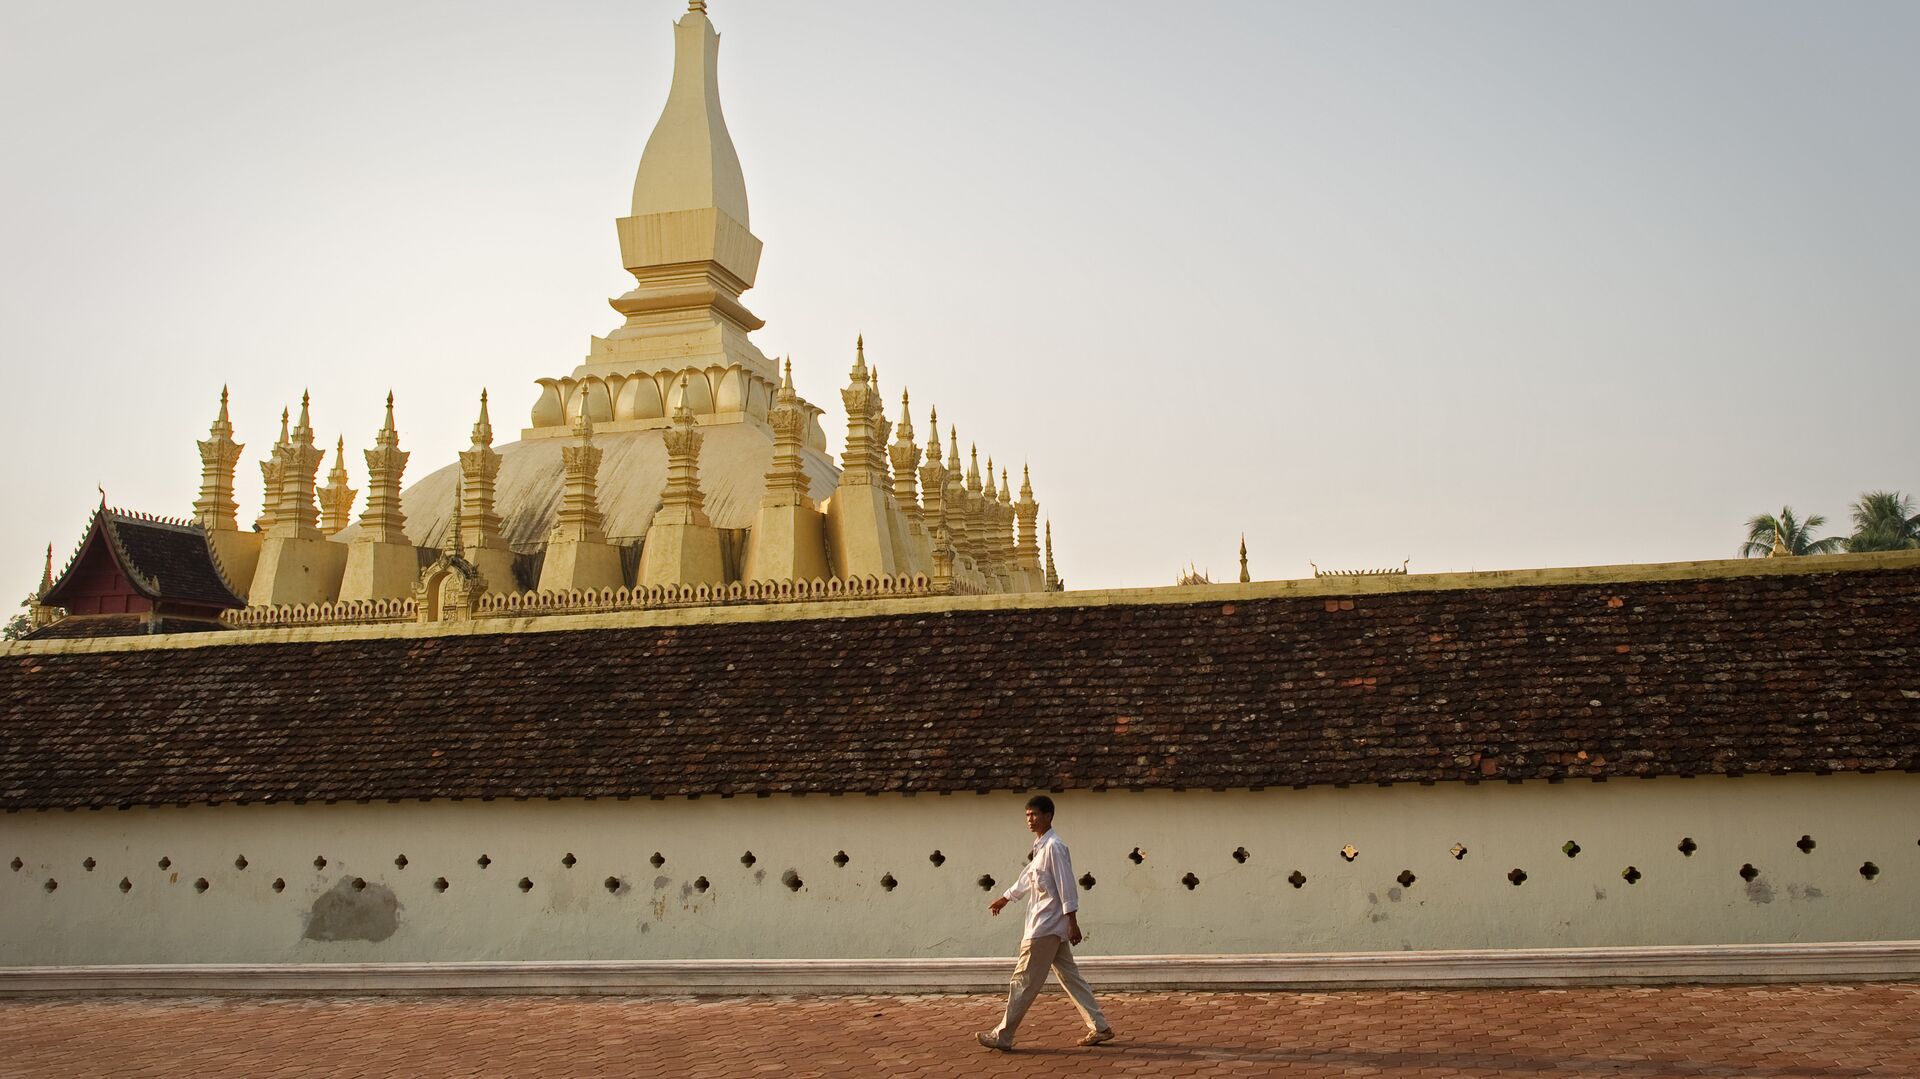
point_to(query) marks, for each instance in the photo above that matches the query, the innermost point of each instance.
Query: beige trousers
(1037, 956)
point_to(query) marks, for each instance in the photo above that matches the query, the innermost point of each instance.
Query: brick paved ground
(1806, 1030)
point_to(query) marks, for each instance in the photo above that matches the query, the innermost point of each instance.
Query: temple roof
(164, 561)
(1738, 669)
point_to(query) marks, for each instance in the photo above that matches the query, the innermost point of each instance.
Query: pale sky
(1482, 285)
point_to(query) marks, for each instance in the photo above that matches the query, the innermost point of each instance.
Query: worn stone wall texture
(323, 883)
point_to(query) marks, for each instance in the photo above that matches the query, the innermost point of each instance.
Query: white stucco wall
(940, 911)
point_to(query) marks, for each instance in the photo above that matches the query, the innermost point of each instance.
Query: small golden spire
(284, 440)
(1780, 548)
(223, 408)
(483, 427)
(1006, 489)
(46, 574)
(859, 373)
(1245, 577)
(1053, 575)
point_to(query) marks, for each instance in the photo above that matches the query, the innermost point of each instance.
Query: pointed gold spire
(1006, 489)
(336, 498)
(579, 519)
(479, 468)
(216, 508)
(683, 502)
(859, 376)
(1245, 577)
(1053, 576)
(483, 427)
(297, 515)
(38, 612)
(1026, 547)
(905, 456)
(973, 468)
(303, 430)
(933, 486)
(383, 521)
(271, 471)
(953, 449)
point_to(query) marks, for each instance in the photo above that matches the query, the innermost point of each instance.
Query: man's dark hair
(1042, 803)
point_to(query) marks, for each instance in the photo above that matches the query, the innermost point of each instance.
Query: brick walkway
(1807, 1030)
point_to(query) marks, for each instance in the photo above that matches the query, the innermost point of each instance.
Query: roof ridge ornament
(1400, 571)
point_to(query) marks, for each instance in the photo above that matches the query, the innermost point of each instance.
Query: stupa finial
(1245, 577)
(483, 427)
(583, 423)
(690, 162)
(859, 373)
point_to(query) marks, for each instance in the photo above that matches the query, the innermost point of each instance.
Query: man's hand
(1073, 929)
(997, 905)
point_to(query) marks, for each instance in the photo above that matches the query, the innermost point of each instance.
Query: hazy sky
(1483, 285)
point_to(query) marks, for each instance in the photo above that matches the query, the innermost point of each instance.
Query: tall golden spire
(216, 508)
(1053, 575)
(1245, 577)
(297, 514)
(384, 521)
(1026, 550)
(479, 467)
(683, 502)
(336, 498)
(38, 612)
(271, 471)
(905, 456)
(579, 518)
(787, 482)
(864, 460)
(933, 482)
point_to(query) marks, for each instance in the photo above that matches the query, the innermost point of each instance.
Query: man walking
(1053, 927)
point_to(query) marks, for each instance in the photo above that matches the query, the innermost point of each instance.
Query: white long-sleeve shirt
(1047, 885)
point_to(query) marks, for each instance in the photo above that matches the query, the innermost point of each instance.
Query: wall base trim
(1736, 963)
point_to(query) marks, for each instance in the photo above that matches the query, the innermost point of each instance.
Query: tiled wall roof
(1775, 673)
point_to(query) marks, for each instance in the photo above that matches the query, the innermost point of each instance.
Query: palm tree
(1794, 534)
(1884, 521)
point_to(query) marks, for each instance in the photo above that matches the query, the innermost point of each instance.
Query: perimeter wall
(326, 883)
